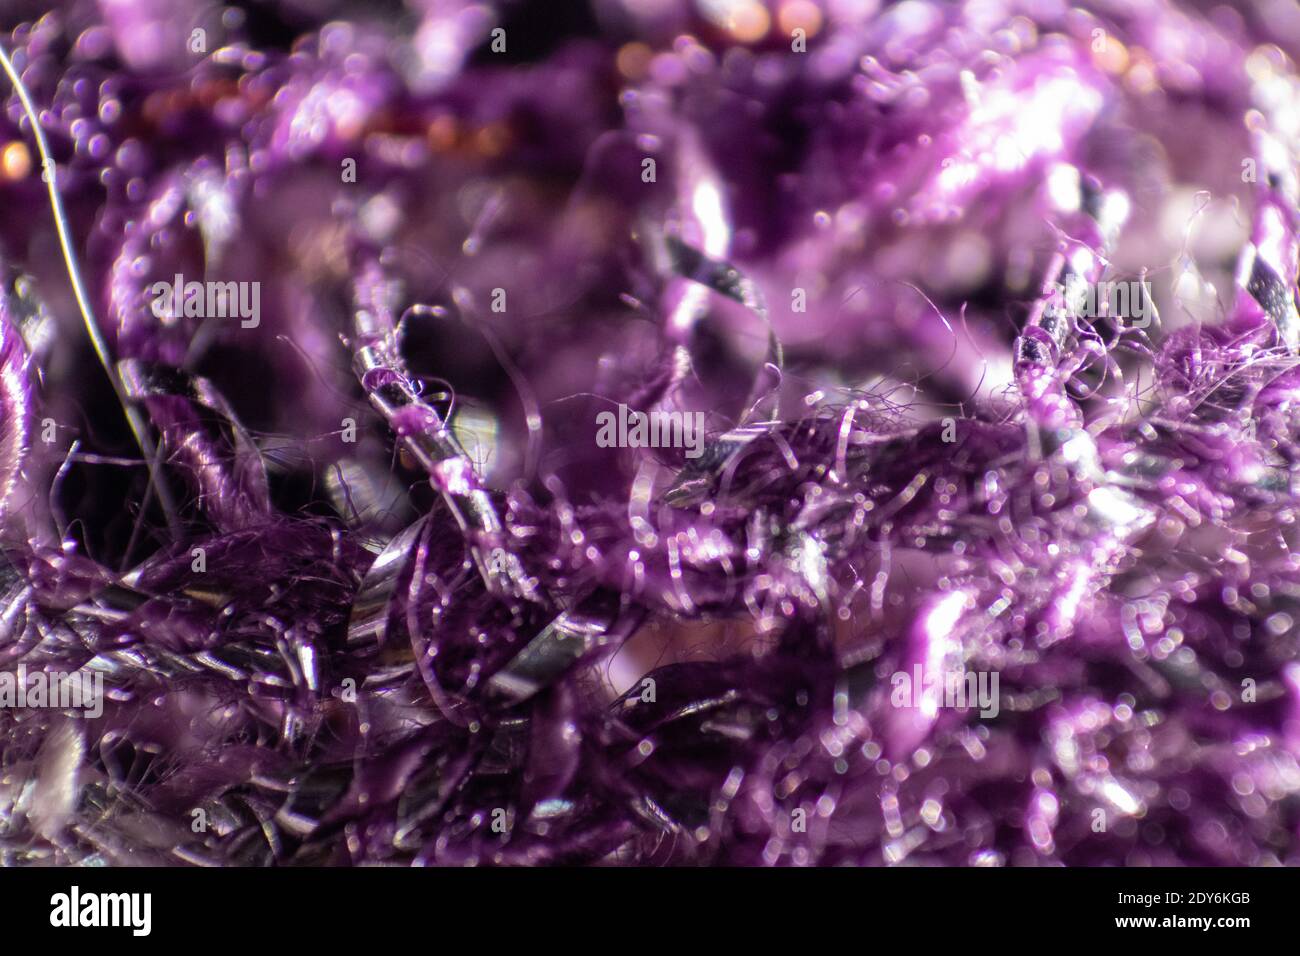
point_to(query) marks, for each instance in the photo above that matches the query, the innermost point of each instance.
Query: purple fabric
(387, 596)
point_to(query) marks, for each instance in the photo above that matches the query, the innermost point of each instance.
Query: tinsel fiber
(374, 556)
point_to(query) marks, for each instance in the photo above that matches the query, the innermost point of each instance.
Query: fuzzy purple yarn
(390, 601)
